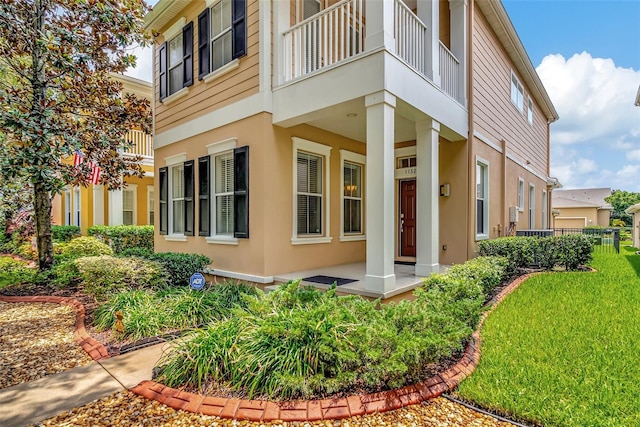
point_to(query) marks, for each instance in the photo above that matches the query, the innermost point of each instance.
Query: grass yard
(564, 349)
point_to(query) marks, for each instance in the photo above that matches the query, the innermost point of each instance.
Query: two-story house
(319, 136)
(133, 204)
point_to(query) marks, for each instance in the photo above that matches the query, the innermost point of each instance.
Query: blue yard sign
(196, 281)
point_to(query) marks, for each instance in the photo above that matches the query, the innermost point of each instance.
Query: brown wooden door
(408, 218)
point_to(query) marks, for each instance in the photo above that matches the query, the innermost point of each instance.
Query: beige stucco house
(582, 207)
(634, 211)
(133, 204)
(304, 135)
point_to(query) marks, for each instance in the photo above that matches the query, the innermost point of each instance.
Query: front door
(408, 218)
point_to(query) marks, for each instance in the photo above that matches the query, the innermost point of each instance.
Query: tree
(621, 200)
(57, 98)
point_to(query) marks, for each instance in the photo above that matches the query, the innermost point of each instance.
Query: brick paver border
(94, 348)
(324, 409)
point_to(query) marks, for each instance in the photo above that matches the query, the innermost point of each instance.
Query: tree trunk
(42, 211)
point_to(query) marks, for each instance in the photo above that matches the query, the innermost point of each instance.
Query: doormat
(328, 280)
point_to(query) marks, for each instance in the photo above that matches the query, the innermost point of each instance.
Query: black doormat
(328, 280)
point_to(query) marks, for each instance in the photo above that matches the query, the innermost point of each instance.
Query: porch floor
(406, 280)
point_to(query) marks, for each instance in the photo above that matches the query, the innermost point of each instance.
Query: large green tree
(621, 200)
(57, 97)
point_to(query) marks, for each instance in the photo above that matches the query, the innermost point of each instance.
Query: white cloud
(144, 64)
(596, 142)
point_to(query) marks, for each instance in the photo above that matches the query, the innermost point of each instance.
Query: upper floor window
(517, 92)
(222, 35)
(176, 61)
(530, 111)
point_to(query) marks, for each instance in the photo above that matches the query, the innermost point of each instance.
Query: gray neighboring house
(581, 208)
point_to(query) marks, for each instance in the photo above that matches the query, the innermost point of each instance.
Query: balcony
(142, 146)
(337, 35)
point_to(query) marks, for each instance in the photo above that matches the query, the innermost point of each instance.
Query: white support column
(458, 36)
(98, 205)
(379, 19)
(115, 207)
(281, 22)
(428, 204)
(380, 275)
(429, 14)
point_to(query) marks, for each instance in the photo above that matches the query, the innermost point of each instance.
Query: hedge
(64, 233)
(121, 237)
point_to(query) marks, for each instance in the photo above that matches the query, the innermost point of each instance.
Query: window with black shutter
(241, 192)
(164, 193)
(176, 62)
(204, 206)
(189, 190)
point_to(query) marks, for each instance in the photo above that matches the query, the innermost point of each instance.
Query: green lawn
(564, 349)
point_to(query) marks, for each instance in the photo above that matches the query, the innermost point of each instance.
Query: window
(150, 205)
(177, 199)
(311, 192)
(520, 195)
(517, 93)
(532, 203)
(128, 205)
(176, 62)
(67, 208)
(226, 210)
(222, 35)
(352, 196)
(482, 199)
(544, 209)
(76, 206)
(530, 111)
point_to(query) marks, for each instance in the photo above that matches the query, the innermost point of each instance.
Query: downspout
(505, 209)
(470, 163)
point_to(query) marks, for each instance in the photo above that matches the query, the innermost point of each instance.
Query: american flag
(78, 158)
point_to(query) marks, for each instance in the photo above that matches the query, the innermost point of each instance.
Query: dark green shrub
(490, 271)
(139, 252)
(121, 237)
(520, 251)
(81, 247)
(180, 266)
(103, 275)
(64, 233)
(572, 250)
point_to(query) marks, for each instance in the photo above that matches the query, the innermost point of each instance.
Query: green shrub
(490, 271)
(139, 252)
(103, 275)
(13, 271)
(82, 247)
(572, 250)
(121, 237)
(519, 251)
(180, 266)
(64, 233)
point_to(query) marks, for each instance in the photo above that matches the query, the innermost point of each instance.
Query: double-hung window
(530, 111)
(352, 196)
(520, 194)
(517, 93)
(176, 60)
(482, 199)
(150, 205)
(177, 213)
(544, 209)
(532, 206)
(311, 192)
(222, 35)
(223, 196)
(129, 205)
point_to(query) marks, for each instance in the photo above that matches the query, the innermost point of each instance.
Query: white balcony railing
(450, 73)
(333, 35)
(142, 144)
(411, 37)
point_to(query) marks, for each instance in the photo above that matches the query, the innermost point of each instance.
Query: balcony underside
(332, 98)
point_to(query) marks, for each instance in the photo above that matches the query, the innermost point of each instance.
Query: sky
(587, 54)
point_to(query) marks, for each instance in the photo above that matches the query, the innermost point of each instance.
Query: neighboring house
(292, 136)
(634, 211)
(582, 207)
(638, 97)
(95, 205)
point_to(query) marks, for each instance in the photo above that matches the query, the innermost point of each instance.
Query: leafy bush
(180, 266)
(82, 247)
(64, 233)
(572, 250)
(490, 271)
(121, 237)
(519, 251)
(139, 252)
(13, 271)
(103, 275)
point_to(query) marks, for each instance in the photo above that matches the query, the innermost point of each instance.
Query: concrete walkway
(31, 402)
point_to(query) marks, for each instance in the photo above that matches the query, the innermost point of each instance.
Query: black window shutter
(238, 28)
(189, 189)
(204, 59)
(241, 192)
(204, 207)
(164, 187)
(162, 72)
(187, 50)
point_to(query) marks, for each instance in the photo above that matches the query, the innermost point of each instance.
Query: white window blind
(220, 34)
(224, 193)
(175, 56)
(128, 201)
(309, 193)
(177, 198)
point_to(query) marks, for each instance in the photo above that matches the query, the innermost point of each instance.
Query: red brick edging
(338, 408)
(94, 348)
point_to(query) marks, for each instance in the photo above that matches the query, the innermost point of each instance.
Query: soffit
(162, 13)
